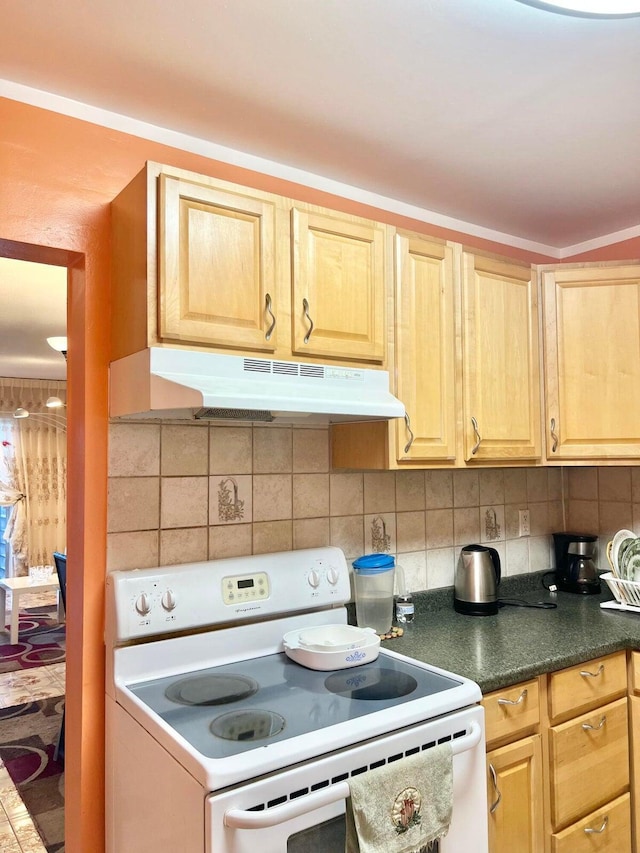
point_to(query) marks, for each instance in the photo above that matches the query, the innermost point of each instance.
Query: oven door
(301, 809)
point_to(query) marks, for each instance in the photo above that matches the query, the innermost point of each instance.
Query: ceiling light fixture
(590, 8)
(59, 344)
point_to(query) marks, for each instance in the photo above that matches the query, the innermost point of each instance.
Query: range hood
(161, 382)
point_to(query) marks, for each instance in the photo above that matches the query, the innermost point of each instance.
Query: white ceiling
(491, 112)
(34, 307)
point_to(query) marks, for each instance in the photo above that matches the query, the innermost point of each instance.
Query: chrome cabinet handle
(305, 306)
(268, 305)
(474, 449)
(586, 674)
(554, 435)
(590, 831)
(517, 701)
(494, 779)
(410, 431)
(589, 728)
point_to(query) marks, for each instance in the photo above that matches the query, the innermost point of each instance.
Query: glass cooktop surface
(233, 708)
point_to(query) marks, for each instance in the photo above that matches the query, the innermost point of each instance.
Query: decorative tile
(272, 497)
(133, 504)
(345, 494)
(310, 451)
(379, 492)
(492, 523)
(234, 540)
(184, 450)
(230, 450)
(380, 533)
(183, 501)
(310, 495)
(272, 453)
(410, 491)
(230, 499)
(134, 450)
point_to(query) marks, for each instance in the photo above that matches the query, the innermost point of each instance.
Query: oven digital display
(241, 589)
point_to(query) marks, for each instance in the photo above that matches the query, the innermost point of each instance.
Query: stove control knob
(168, 601)
(333, 575)
(143, 604)
(314, 579)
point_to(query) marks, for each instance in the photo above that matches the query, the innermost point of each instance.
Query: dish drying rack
(627, 594)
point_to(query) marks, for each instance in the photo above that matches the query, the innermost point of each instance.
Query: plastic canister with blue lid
(374, 578)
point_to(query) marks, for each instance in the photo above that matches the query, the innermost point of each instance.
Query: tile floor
(17, 832)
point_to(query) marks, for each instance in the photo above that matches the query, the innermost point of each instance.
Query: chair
(60, 561)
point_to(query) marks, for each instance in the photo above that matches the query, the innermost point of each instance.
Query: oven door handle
(241, 819)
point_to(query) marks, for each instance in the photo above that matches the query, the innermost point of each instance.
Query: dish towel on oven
(402, 807)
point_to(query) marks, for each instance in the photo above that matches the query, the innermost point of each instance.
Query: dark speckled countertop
(519, 642)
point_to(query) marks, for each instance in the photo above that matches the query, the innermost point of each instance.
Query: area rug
(41, 641)
(28, 737)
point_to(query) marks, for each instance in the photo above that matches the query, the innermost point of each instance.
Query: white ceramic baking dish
(323, 648)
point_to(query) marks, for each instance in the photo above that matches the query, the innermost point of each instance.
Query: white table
(19, 587)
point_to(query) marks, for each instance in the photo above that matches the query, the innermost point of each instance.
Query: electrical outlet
(525, 523)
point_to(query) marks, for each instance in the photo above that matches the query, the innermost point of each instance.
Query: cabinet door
(514, 787)
(216, 267)
(592, 355)
(338, 301)
(425, 349)
(501, 369)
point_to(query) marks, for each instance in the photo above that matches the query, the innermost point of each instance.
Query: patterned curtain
(36, 475)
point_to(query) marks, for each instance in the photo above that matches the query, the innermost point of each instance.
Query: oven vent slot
(356, 771)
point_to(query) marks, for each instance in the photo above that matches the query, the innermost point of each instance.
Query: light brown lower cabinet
(515, 797)
(562, 760)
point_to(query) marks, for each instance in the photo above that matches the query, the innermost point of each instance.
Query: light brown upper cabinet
(423, 358)
(592, 360)
(338, 285)
(501, 368)
(466, 361)
(207, 264)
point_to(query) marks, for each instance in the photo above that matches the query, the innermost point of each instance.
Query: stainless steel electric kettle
(475, 590)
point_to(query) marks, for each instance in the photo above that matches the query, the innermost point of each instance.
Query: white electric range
(216, 741)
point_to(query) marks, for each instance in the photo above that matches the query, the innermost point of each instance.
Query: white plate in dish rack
(627, 594)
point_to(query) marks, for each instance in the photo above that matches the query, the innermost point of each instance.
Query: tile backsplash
(187, 492)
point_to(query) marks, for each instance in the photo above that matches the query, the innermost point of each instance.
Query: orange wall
(58, 176)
